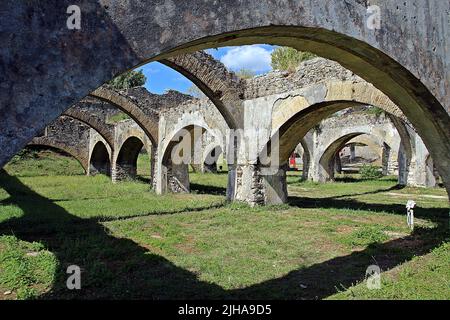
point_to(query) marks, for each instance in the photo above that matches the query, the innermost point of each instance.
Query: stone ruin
(277, 106)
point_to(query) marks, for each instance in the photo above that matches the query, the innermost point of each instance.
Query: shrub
(370, 172)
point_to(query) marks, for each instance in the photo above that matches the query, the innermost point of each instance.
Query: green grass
(131, 243)
(120, 116)
(32, 163)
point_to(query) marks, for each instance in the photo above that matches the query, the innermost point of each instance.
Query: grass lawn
(131, 243)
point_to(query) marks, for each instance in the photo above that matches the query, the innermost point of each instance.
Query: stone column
(259, 185)
(403, 166)
(352, 153)
(337, 163)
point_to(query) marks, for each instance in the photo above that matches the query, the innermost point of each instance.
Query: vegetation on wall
(288, 59)
(127, 80)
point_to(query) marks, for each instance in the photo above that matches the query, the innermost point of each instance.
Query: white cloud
(254, 57)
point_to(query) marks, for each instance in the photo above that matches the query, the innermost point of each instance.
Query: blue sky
(255, 57)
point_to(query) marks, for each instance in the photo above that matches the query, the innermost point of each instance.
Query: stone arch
(222, 87)
(125, 164)
(147, 119)
(93, 121)
(301, 112)
(306, 159)
(416, 79)
(130, 129)
(325, 167)
(367, 141)
(181, 142)
(52, 143)
(99, 161)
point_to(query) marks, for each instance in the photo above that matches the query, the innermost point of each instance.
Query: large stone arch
(222, 87)
(53, 143)
(407, 59)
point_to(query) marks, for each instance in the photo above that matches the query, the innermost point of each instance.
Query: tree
(288, 59)
(127, 80)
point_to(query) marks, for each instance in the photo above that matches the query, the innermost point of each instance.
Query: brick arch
(92, 120)
(146, 118)
(222, 87)
(48, 142)
(122, 35)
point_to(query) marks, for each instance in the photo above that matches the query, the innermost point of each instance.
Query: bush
(288, 59)
(369, 172)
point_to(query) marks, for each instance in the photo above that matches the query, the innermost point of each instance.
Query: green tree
(127, 80)
(245, 73)
(288, 59)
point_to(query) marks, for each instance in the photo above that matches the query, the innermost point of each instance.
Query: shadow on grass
(342, 202)
(205, 189)
(114, 268)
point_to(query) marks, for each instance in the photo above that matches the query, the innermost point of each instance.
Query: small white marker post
(410, 213)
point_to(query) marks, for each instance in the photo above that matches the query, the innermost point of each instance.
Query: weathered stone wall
(309, 72)
(68, 135)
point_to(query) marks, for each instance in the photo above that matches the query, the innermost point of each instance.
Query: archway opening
(100, 160)
(126, 164)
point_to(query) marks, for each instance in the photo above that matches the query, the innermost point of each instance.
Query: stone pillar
(172, 178)
(121, 172)
(403, 166)
(352, 153)
(337, 163)
(258, 185)
(305, 167)
(385, 159)
(320, 172)
(153, 166)
(420, 173)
